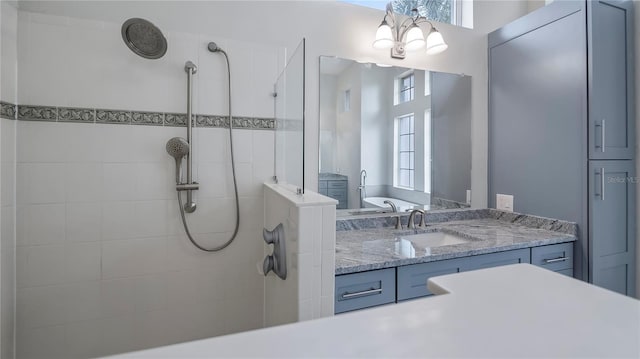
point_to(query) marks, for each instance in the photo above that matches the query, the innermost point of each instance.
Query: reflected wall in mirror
(393, 135)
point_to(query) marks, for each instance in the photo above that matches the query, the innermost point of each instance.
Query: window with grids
(406, 89)
(406, 152)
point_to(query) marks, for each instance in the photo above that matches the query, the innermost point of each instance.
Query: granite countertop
(364, 244)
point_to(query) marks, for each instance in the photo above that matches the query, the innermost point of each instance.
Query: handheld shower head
(177, 148)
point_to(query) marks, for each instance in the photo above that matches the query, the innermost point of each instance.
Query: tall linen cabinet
(561, 128)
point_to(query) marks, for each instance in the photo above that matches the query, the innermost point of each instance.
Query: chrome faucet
(395, 210)
(412, 216)
(362, 188)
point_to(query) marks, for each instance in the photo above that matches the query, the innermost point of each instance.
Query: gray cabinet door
(611, 79)
(612, 225)
(538, 114)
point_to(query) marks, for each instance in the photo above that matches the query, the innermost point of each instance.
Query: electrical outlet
(504, 202)
(468, 196)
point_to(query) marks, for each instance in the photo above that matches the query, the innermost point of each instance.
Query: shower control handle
(277, 261)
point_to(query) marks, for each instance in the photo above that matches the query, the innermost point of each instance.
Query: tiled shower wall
(8, 67)
(102, 263)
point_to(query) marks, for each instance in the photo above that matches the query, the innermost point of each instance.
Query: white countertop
(510, 311)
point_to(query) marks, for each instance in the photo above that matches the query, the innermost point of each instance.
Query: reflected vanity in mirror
(393, 138)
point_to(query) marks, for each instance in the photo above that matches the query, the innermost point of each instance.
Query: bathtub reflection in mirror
(393, 135)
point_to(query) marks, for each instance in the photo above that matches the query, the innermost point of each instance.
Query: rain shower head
(144, 38)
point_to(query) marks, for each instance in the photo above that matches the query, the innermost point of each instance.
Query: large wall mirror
(393, 135)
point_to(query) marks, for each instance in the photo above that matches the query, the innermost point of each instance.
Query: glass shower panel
(289, 115)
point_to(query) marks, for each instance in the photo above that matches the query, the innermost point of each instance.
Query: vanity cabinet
(334, 186)
(372, 288)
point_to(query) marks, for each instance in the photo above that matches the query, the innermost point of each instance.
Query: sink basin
(421, 244)
(433, 239)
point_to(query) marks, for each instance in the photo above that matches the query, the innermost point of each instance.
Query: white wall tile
(150, 293)
(7, 183)
(118, 142)
(263, 161)
(84, 222)
(40, 265)
(83, 339)
(119, 181)
(152, 328)
(242, 146)
(118, 296)
(84, 182)
(118, 335)
(213, 145)
(120, 259)
(41, 306)
(41, 183)
(82, 301)
(150, 218)
(215, 181)
(8, 139)
(118, 220)
(151, 181)
(182, 289)
(41, 224)
(84, 142)
(41, 342)
(83, 261)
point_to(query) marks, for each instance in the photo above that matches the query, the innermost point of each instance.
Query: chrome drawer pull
(364, 292)
(554, 260)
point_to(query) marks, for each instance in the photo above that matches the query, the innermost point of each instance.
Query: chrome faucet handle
(398, 223)
(423, 223)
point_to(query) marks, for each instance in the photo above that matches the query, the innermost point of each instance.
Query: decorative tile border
(67, 114)
(7, 110)
(124, 117)
(37, 113)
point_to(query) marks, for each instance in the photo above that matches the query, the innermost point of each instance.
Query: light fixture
(405, 36)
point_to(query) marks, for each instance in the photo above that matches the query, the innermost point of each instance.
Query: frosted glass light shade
(435, 43)
(415, 39)
(384, 37)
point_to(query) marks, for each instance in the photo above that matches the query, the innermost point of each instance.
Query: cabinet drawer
(412, 279)
(337, 193)
(366, 289)
(555, 257)
(322, 185)
(323, 191)
(497, 259)
(337, 184)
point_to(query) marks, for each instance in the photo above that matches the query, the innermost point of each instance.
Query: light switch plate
(504, 202)
(468, 196)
